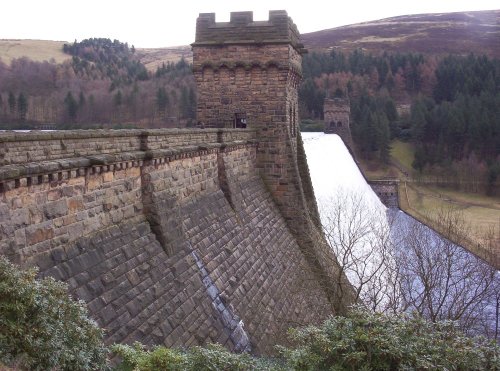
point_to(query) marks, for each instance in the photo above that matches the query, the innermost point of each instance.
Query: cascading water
(397, 263)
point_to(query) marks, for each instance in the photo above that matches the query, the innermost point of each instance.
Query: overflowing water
(396, 263)
(333, 169)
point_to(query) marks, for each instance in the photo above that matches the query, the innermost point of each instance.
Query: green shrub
(312, 125)
(42, 328)
(360, 341)
(213, 357)
(367, 341)
(137, 358)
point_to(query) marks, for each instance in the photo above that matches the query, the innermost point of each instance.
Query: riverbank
(481, 231)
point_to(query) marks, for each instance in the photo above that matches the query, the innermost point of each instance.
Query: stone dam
(185, 236)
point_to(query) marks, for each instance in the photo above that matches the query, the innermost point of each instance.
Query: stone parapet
(32, 173)
(32, 147)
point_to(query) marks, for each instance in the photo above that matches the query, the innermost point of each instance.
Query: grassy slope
(402, 153)
(154, 57)
(37, 50)
(481, 212)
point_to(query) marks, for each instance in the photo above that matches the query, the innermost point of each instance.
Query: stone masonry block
(55, 209)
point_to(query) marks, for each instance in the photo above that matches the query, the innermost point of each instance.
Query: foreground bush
(42, 328)
(361, 341)
(367, 341)
(213, 357)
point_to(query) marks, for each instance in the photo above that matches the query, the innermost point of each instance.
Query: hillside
(36, 50)
(153, 58)
(440, 33)
(437, 34)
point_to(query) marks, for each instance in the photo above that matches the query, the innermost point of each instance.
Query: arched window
(332, 124)
(339, 124)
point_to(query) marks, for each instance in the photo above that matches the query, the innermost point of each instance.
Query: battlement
(242, 29)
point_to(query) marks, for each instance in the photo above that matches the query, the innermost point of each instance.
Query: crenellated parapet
(244, 68)
(242, 29)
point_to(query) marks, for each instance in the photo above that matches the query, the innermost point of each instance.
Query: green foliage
(360, 341)
(162, 100)
(367, 341)
(71, 106)
(213, 357)
(22, 106)
(397, 73)
(312, 125)
(372, 118)
(137, 358)
(113, 59)
(455, 113)
(177, 69)
(188, 103)
(470, 75)
(42, 328)
(452, 131)
(12, 102)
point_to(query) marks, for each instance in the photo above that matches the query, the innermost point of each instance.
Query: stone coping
(13, 136)
(123, 159)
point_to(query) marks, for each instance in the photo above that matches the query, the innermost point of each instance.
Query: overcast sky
(150, 23)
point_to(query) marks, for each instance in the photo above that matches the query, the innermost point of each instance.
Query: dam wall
(170, 236)
(184, 237)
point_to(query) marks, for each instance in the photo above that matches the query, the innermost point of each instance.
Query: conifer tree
(22, 106)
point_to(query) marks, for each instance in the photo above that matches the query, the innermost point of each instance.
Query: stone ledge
(103, 133)
(106, 162)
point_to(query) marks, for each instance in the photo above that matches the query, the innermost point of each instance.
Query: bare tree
(359, 235)
(397, 264)
(443, 281)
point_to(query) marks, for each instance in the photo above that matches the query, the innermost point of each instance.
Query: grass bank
(424, 201)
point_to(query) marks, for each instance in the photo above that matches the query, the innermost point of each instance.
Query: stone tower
(248, 73)
(337, 113)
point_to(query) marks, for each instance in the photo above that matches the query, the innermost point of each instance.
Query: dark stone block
(44, 261)
(56, 273)
(55, 209)
(135, 307)
(96, 287)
